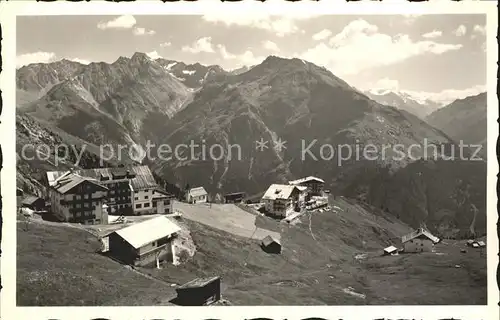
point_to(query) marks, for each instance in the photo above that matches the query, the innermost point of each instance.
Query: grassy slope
(310, 271)
(53, 272)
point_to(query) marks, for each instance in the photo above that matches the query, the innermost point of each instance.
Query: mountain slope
(34, 80)
(463, 120)
(192, 75)
(125, 102)
(290, 99)
(41, 148)
(404, 101)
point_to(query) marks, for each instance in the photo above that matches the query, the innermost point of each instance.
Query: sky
(441, 57)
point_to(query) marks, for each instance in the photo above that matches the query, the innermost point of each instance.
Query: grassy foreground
(328, 259)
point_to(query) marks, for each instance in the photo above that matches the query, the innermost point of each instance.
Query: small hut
(199, 292)
(390, 251)
(271, 245)
(33, 203)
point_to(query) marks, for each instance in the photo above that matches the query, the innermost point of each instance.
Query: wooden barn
(271, 245)
(33, 203)
(144, 243)
(199, 292)
(236, 197)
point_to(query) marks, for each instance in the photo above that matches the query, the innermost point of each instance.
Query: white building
(281, 199)
(197, 195)
(78, 199)
(419, 240)
(314, 185)
(144, 243)
(131, 191)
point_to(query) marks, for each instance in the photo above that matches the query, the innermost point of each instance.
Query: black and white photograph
(253, 159)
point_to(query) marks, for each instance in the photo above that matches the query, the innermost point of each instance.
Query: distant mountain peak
(140, 57)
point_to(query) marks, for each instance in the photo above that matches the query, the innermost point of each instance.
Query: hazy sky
(432, 55)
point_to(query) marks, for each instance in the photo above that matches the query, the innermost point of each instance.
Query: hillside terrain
(33, 160)
(138, 99)
(329, 258)
(464, 120)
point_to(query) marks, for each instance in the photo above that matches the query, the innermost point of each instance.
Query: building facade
(131, 191)
(163, 203)
(144, 243)
(197, 195)
(236, 197)
(199, 292)
(419, 240)
(281, 200)
(315, 186)
(77, 199)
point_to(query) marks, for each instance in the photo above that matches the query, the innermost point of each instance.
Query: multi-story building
(281, 200)
(314, 185)
(74, 198)
(131, 190)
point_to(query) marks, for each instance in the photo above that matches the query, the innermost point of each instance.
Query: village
(139, 224)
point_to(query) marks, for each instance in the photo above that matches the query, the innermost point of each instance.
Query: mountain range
(405, 101)
(290, 104)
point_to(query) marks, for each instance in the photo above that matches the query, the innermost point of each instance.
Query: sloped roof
(196, 192)
(268, 240)
(157, 193)
(390, 249)
(235, 194)
(30, 200)
(142, 233)
(68, 182)
(143, 178)
(279, 191)
(306, 179)
(198, 282)
(419, 233)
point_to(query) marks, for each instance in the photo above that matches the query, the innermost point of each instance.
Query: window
(78, 214)
(138, 206)
(166, 202)
(78, 205)
(146, 205)
(86, 205)
(154, 204)
(136, 198)
(146, 197)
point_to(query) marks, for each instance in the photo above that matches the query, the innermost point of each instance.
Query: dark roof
(198, 283)
(158, 193)
(234, 194)
(30, 200)
(419, 233)
(269, 240)
(141, 176)
(68, 182)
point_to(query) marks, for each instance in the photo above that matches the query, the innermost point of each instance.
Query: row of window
(117, 185)
(84, 214)
(139, 206)
(89, 204)
(81, 197)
